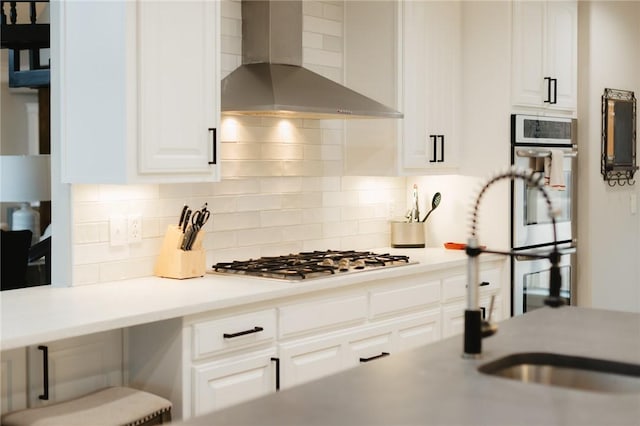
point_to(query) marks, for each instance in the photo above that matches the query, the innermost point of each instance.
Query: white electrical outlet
(134, 228)
(118, 230)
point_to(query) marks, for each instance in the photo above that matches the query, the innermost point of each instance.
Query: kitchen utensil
(407, 235)
(182, 215)
(185, 223)
(435, 202)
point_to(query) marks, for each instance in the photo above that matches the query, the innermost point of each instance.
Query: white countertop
(42, 314)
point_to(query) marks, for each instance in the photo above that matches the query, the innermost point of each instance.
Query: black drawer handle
(382, 355)
(484, 283)
(441, 160)
(548, 81)
(434, 157)
(277, 361)
(215, 153)
(45, 373)
(242, 333)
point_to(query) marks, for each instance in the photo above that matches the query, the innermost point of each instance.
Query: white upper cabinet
(545, 55)
(139, 84)
(419, 70)
(432, 81)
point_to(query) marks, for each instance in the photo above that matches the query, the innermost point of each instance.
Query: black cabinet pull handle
(242, 333)
(45, 373)
(382, 355)
(548, 80)
(215, 153)
(483, 283)
(441, 160)
(277, 361)
(555, 90)
(434, 138)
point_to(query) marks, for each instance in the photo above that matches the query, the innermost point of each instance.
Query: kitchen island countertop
(43, 314)
(433, 385)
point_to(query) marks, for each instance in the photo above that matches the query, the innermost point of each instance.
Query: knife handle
(182, 215)
(186, 221)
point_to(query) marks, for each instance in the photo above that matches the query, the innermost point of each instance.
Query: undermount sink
(574, 372)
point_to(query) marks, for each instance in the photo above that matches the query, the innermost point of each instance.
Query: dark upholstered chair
(14, 256)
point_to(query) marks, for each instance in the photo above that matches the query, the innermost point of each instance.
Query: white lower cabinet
(233, 380)
(76, 366)
(228, 359)
(13, 380)
(61, 370)
(308, 359)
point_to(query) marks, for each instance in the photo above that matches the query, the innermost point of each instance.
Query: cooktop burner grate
(312, 264)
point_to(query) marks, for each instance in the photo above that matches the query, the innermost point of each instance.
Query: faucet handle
(487, 328)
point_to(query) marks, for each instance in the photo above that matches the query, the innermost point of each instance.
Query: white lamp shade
(25, 178)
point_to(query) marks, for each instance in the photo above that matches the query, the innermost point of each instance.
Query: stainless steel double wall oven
(534, 138)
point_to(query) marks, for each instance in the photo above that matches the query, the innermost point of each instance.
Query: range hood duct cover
(271, 80)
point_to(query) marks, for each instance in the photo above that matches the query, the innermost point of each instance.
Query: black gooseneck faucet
(474, 327)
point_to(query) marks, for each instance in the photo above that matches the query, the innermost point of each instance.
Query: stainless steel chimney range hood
(271, 80)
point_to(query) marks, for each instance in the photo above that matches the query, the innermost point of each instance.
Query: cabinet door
(368, 346)
(432, 84)
(178, 86)
(308, 359)
(417, 330)
(76, 367)
(544, 68)
(528, 72)
(13, 380)
(562, 57)
(233, 380)
(453, 319)
(139, 91)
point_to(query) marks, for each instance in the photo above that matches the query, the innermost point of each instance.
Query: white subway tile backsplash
(340, 229)
(259, 202)
(234, 221)
(316, 24)
(302, 232)
(259, 236)
(280, 217)
(312, 40)
(312, 8)
(322, 57)
(282, 189)
(282, 152)
(281, 185)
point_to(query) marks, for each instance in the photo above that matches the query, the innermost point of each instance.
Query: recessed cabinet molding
(139, 91)
(545, 55)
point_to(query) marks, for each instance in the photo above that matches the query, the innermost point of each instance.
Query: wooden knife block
(174, 262)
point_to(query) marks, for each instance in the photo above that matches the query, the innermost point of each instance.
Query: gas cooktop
(314, 264)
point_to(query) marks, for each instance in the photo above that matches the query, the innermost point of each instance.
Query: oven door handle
(538, 153)
(535, 256)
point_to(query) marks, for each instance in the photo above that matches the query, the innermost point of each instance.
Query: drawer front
(233, 332)
(368, 347)
(492, 277)
(220, 384)
(418, 330)
(390, 300)
(455, 288)
(319, 314)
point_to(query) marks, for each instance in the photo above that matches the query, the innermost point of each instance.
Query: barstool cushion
(107, 407)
